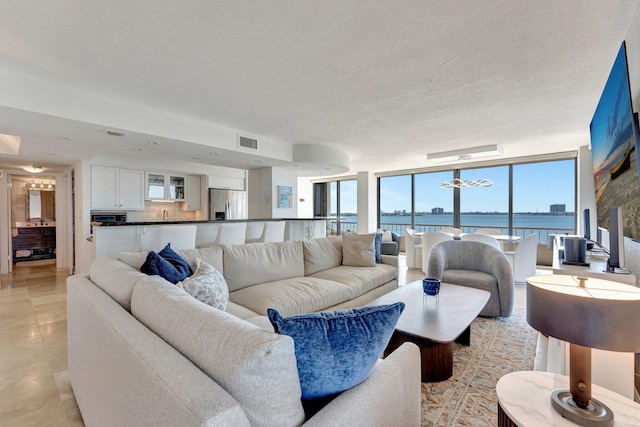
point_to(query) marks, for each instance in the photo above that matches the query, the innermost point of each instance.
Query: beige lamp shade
(602, 314)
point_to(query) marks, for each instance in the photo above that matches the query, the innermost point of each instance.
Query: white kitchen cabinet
(194, 193)
(225, 182)
(116, 189)
(165, 186)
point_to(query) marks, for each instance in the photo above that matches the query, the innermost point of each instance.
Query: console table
(524, 400)
(596, 268)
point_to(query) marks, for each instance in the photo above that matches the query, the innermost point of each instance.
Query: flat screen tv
(614, 151)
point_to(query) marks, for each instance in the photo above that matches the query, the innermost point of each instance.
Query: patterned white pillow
(207, 284)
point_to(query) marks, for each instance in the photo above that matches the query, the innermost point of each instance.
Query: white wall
(305, 198)
(284, 177)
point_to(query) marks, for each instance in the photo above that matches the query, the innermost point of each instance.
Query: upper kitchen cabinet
(117, 189)
(166, 186)
(225, 182)
(194, 194)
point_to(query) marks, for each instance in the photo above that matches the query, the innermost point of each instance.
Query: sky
(536, 187)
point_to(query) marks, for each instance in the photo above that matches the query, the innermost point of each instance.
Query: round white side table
(524, 400)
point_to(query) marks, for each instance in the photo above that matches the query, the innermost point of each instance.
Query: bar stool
(180, 237)
(273, 231)
(231, 233)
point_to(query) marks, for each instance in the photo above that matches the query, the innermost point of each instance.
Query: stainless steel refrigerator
(227, 204)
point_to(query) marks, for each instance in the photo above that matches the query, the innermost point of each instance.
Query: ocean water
(524, 224)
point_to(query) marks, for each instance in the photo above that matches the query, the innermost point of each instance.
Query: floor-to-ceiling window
(394, 203)
(433, 201)
(348, 194)
(497, 197)
(484, 199)
(342, 204)
(544, 198)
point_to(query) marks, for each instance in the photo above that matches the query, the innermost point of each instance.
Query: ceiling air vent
(243, 141)
(114, 132)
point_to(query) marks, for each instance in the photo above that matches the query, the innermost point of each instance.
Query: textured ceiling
(386, 81)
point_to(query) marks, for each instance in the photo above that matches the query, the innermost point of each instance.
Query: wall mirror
(40, 204)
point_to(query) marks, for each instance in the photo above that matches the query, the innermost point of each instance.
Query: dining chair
(429, 240)
(413, 248)
(523, 259)
(483, 238)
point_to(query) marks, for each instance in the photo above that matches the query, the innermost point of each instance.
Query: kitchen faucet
(165, 214)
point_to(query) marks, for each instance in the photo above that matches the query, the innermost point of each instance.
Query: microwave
(112, 217)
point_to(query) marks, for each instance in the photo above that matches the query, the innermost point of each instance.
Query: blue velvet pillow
(176, 260)
(376, 244)
(337, 350)
(159, 266)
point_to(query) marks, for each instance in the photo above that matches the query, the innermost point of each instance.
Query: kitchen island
(111, 238)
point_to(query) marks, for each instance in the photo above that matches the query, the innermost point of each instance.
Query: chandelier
(459, 183)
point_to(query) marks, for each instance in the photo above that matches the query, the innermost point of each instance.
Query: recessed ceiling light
(52, 154)
(114, 132)
(153, 143)
(195, 158)
(259, 161)
(137, 149)
(66, 138)
(213, 153)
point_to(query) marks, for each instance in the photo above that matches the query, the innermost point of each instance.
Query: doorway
(33, 218)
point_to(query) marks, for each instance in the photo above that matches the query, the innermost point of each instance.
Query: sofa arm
(390, 260)
(391, 396)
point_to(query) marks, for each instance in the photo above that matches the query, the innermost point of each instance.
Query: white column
(367, 203)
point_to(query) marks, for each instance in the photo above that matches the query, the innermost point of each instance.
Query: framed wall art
(285, 196)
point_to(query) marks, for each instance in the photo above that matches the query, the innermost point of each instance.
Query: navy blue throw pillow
(176, 260)
(337, 350)
(377, 243)
(155, 265)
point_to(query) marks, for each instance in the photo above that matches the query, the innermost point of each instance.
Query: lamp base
(597, 414)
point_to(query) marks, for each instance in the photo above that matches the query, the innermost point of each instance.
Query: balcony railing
(542, 232)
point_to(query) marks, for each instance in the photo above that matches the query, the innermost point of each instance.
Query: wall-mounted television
(614, 150)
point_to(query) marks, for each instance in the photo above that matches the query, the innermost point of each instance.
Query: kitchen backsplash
(153, 211)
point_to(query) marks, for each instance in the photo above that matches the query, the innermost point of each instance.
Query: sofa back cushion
(322, 254)
(116, 278)
(253, 263)
(211, 255)
(257, 367)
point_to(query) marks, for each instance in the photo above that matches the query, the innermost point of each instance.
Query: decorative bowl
(431, 286)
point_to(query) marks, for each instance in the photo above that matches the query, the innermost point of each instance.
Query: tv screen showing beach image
(613, 150)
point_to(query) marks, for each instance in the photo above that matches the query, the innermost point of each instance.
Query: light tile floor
(34, 385)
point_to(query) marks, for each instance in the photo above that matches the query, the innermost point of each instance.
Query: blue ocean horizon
(524, 224)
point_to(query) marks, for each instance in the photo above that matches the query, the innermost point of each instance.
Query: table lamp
(587, 313)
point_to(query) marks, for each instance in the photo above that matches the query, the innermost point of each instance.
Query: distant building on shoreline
(558, 209)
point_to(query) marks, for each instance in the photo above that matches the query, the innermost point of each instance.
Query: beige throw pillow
(358, 250)
(386, 236)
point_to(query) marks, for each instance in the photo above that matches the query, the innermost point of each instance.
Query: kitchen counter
(109, 239)
(216, 221)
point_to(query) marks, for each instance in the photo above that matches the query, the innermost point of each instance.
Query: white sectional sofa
(142, 351)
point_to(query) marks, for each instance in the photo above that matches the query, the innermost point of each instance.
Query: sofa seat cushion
(239, 311)
(254, 263)
(292, 296)
(359, 279)
(257, 367)
(115, 278)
